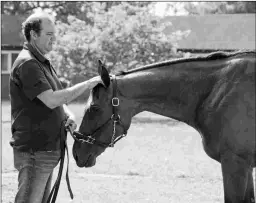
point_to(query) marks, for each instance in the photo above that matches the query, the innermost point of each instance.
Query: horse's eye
(94, 107)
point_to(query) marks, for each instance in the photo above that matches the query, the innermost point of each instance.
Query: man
(38, 107)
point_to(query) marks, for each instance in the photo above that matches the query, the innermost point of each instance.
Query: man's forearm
(65, 96)
(53, 99)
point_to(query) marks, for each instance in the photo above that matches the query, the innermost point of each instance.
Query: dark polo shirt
(34, 126)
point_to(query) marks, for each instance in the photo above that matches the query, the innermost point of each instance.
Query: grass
(160, 161)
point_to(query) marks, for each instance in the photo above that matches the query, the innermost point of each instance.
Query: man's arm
(53, 99)
(35, 84)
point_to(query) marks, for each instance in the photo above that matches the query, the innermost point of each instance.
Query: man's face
(45, 39)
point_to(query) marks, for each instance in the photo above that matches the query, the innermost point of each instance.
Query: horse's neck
(174, 91)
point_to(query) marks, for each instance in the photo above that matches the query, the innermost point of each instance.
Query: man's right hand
(94, 81)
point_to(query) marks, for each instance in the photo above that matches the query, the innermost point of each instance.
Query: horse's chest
(211, 148)
(211, 138)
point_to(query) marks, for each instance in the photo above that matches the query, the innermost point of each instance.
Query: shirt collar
(35, 52)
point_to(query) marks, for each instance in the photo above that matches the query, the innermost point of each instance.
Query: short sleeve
(33, 79)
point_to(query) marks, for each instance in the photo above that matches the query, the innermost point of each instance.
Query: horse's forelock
(95, 90)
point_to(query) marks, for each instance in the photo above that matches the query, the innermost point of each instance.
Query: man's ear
(103, 74)
(33, 34)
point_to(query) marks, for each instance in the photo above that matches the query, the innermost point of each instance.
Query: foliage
(127, 36)
(230, 7)
(208, 7)
(26, 7)
(61, 9)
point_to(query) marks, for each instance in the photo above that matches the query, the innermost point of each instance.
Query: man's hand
(94, 81)
(71, 124)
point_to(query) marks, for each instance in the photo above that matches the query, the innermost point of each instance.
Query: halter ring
(118, 117)
(115, 99)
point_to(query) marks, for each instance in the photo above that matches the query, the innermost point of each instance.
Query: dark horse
(214, 94)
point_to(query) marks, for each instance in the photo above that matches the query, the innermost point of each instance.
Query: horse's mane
(212, 56)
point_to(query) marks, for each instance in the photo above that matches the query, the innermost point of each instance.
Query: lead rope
(112, 146)
(67, 177)
(114, 133)
(63, 146)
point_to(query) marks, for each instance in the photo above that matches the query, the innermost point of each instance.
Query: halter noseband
(90, 139)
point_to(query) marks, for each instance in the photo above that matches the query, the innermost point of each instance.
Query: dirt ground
(160, 161)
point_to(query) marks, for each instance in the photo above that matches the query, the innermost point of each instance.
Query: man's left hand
(71, 123)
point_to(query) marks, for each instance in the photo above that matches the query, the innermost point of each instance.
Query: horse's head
(107, 117)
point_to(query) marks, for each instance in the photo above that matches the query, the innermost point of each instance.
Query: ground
(160, 161)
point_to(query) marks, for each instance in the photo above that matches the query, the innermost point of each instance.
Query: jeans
(35, 175)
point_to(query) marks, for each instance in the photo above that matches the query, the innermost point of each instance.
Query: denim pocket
(23, 159)
(47, 160)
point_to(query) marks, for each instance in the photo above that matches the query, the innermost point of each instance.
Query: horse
(214, 94)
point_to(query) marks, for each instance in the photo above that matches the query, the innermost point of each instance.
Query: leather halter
(91, 139)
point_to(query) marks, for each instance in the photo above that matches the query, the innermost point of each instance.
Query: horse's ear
(103, 72)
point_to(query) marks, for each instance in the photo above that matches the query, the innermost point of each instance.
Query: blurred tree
(26, 7)
(127, 36)
(203, 8)
(230, 7)
(61, 9)
(109, 4)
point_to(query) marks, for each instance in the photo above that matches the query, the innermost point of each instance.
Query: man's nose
(53, 39)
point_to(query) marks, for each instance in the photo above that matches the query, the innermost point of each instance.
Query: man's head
(39, 30)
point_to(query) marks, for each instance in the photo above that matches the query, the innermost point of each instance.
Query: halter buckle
(89, 140)
(115, 101)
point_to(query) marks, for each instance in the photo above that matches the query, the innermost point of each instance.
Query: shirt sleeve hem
(36, 93)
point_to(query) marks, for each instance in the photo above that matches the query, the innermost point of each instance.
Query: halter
(90, 139)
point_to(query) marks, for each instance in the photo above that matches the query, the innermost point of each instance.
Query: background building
(214, 32)
(11, 44)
